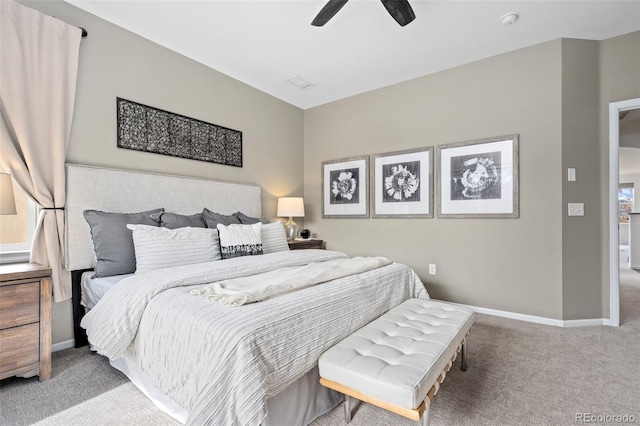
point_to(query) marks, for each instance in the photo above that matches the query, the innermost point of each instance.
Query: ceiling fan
(400, 10)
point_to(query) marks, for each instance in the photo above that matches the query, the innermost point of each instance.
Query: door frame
(614, 244)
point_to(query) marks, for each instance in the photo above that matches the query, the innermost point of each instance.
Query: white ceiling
(264, 43)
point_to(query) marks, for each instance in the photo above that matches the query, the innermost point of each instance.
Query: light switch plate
(571, 174)
(576, 209)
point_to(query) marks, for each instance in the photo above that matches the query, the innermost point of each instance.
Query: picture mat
(401, 208)
(504, 205)
(345, 209)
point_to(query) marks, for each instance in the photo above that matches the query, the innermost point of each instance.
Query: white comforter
(222, 363)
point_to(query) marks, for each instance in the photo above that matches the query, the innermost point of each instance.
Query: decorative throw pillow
(240, 240)
(248, 220)
(112, 241)
(274, 238)
(212, 219)
(158, 248)
(173, 220)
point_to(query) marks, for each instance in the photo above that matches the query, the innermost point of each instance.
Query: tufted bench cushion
(400, 356)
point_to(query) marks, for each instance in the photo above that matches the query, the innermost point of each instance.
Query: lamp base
(291, 228)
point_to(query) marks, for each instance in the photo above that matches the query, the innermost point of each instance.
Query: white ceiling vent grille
(301, 83)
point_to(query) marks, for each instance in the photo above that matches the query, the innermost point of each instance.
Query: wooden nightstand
(306, 244)
(25, 321)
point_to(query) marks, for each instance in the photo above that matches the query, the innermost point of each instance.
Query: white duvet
(222, 363)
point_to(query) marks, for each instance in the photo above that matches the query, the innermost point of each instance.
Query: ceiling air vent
(301, 83)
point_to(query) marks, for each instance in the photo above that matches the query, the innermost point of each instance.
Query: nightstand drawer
(19, 304)
(305, 244)
(20, 349)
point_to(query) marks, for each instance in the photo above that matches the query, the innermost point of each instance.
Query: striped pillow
(158, 248)
(274, 238)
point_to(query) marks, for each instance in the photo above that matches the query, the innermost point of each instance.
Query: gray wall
(115, 62)
(630, 133)
(507, 264)
(556, 96)
(581, 284)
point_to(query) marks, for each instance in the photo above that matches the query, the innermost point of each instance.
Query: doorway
(615, 111)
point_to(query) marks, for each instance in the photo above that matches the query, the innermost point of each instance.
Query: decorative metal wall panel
(149, 129)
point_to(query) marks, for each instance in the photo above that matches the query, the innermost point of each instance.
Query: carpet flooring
(518, 373)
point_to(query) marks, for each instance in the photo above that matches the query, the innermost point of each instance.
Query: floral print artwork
(476, 177)
(401, 182)
(344, 186)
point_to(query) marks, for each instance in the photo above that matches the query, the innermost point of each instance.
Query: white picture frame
(478, 179)
(402, 184)
(345, 188)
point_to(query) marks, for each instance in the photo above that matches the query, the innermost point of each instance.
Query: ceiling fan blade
(331, 8)
(400, 10)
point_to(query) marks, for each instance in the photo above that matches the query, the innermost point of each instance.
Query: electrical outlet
(576, 209)
(432, 269)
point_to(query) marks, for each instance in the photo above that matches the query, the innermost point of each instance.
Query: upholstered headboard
(126, 191)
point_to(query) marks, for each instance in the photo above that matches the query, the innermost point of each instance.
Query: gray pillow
(248, 220)
(112, 241)
(212, 219)
(173, 220)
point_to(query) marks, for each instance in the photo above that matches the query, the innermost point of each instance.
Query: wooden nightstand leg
(45, 329)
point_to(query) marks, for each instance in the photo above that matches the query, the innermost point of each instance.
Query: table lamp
(291, 206)
(7, 201)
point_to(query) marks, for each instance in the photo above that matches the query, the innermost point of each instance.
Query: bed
(205, 362)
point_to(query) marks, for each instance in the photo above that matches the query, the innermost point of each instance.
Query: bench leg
(347, 408)
(463, 360)
(426, 416)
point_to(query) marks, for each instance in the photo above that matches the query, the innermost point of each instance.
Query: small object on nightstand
(25, 321)
(300, 244)
(305, 233)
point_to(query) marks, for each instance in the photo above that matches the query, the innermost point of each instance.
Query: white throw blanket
(254, 288)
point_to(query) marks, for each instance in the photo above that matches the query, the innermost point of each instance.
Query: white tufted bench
(398, 361)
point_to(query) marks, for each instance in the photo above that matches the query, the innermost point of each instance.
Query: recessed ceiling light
(301, 83)
(509, 18)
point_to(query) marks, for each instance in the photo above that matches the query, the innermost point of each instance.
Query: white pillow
(158, 248)
(240, 240)
(274, 238)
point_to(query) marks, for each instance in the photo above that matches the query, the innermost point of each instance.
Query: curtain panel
(38, 72)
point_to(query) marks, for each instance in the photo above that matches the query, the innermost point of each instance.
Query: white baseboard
(585, 322)
(538, 320)
(63, 345)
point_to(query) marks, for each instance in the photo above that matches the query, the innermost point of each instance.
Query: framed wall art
(478, 179)
(149, 129)
(344, 188)
(402, 184)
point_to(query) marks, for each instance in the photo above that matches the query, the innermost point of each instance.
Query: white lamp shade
(7, 202)
(290, 206)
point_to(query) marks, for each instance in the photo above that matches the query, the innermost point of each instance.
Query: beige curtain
(38, 70)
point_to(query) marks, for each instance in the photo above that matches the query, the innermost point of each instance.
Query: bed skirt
(299, 404)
